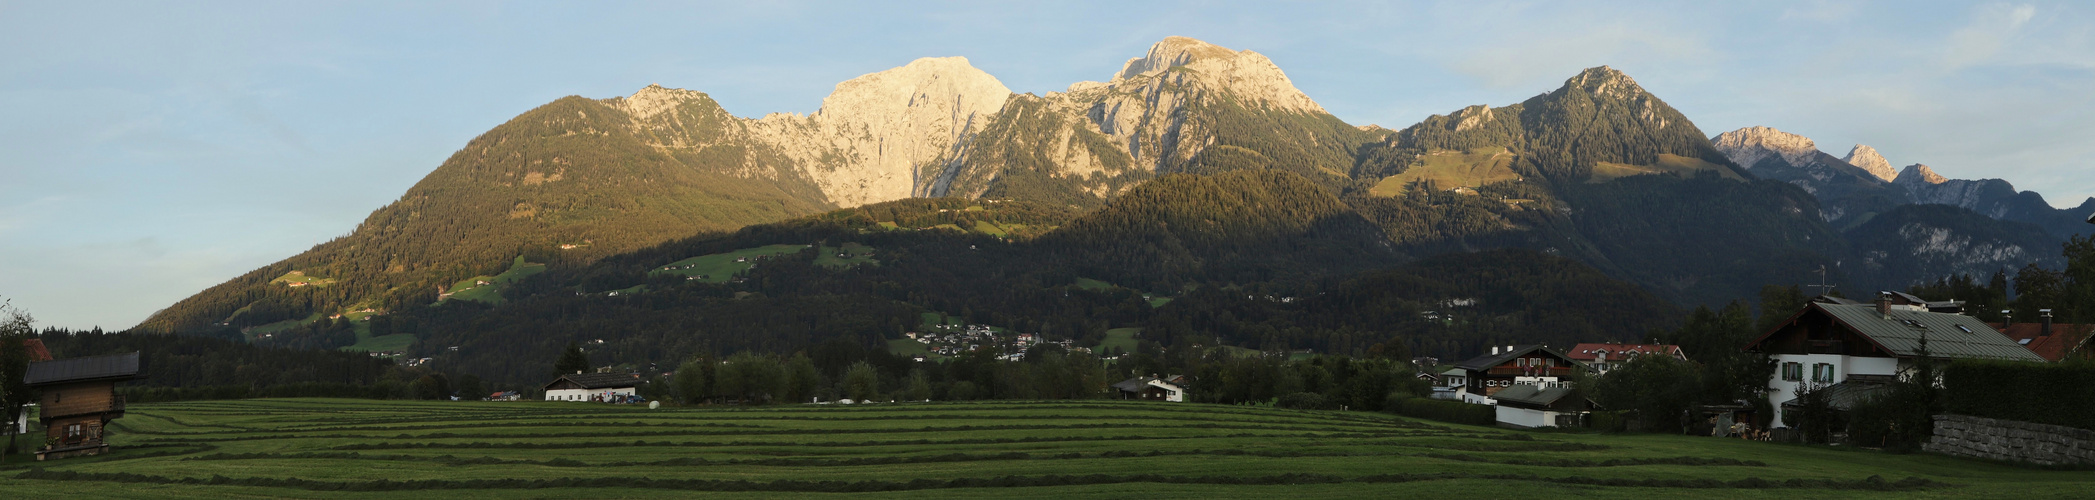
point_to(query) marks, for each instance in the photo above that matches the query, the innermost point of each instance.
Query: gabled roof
(92, 368)
(1532, 394)
(37, 351)
(1949, 335)
(1589, 352)
(1485, 362)
(1139, 384)
(2052, 347)
(598, 380)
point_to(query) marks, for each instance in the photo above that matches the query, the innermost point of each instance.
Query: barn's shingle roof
(108, 367)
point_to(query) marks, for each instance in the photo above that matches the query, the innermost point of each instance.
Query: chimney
(1509, 349)
(2046, 314)
(1884, 304)
(1494, 350)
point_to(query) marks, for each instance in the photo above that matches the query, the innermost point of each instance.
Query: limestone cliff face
(1866, 158)
(1747, 146)
(1844, 190)
(867, 144)
(919, 130)
(1158, 114)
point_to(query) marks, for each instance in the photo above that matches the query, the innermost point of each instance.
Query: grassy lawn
(488, 289)
(1062, 449)
(1447, 169)
(721, 267)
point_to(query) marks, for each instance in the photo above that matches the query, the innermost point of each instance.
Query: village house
(597, 387)
(1170, 389)
(2053, 342)
(79, 399)
(1852, 349)
(1530, 385)
(1599, 358)
(1505, 367)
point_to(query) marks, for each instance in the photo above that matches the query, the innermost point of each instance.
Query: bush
(1303, 401)
(2056, 394)
(1447, 411)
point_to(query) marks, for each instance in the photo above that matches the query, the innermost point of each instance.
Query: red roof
(37, 352)
(1589, 352)
(2051, 347)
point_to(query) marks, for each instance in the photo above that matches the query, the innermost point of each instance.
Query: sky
(149, 150)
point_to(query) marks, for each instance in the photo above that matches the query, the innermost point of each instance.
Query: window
(1793, 371)
(73, 430)
(1822, 373)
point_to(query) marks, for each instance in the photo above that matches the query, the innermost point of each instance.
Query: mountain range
(1194, 168)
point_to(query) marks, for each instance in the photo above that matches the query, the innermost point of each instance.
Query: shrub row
(1446, 411)
(1872, 483)
(2045, 393)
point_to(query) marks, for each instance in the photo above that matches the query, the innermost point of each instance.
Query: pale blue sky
(151, 149)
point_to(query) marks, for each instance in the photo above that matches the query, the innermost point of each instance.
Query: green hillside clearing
(299, 279)
(853, 254)
(1446, 170)
(721, 267)
(1668, 164)
(488, 289)
(334, 448)
(1120, 338)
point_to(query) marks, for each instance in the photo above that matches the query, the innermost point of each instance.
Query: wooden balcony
(114, 406)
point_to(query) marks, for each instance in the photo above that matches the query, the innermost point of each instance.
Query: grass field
(858, 254)
(1451, 169)
(721, 267)
(1066, 449)
(1668, 164)
(473, 288)
(1120, 338)
(299, 278)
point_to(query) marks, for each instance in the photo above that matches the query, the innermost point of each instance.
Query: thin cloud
(1990, 30)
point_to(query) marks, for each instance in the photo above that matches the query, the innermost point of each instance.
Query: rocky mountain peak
(1920, 173)
(1173, 51)
(912, 85)
(1605, 81)
(654, 99)
(1866, 158)
(1248, 75)
(1748, 146)
(1471, 117)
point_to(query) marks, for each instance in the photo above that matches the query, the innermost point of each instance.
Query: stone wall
(2011, 440)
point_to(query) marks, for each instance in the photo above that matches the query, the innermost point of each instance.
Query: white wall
(1843, 366)
(1526, 418)
(585, 394)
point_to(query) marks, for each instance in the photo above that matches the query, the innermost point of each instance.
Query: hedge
(2044, 393)
(1445, 410)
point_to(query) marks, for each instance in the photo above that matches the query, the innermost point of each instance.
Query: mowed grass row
(1077, 449)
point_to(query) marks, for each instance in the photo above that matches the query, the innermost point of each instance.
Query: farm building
(1484, 376)
(79, 399)
(1851, 348)
(1530, 406)
(600, 387)
(1152, 388)
(1601, 357)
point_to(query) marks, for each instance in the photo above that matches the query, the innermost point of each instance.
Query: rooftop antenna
(1822, 286)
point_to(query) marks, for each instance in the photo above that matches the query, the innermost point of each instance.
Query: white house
(1152, 388)
(592, 387)
(1851, 348)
